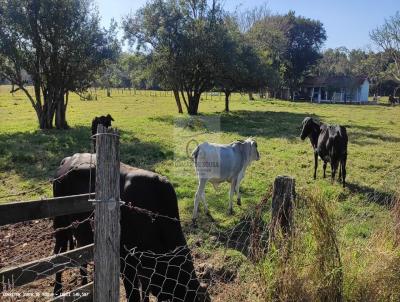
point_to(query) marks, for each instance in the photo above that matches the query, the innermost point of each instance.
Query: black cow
(102, 120)
(329, 143)
(168, 276)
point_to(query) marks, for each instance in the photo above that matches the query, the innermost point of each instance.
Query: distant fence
(207, 95)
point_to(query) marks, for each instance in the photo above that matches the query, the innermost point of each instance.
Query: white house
(337, 89)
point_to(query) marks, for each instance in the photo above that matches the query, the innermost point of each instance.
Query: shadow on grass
(371, 194)
(367, 135)
(237, 235)
(36, 155)
(267, 124)
(359, 138)
(361, 128)
(141, 154)
(241, 236)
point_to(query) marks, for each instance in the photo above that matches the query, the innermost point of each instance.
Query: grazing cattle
(329, 143)
(100, 120)
(393, 100)
(155, 258)
(218, 163)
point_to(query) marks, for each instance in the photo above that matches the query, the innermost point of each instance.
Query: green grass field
(154, 136)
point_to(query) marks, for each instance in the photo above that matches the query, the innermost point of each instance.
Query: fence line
(42, 268)
(20, 211)
(249, 237)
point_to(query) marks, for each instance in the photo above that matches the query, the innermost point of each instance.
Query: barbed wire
(176, 275)
(166, 259)
(161, 275)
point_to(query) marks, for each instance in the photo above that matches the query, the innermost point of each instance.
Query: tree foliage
(357, 63)
(291, 43)
(387, 37)
(240, 67)
(184, 40)
(59, 44)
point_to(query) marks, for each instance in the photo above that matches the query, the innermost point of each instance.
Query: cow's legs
(315, 164)
(198, 196)
(237, 188)
(325, 163)
(84, 236)
(334, 166)
(343, 168)
(231, 192)
(62, 239)
(203, 198)
(131, 282)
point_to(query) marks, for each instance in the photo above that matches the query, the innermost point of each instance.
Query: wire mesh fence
(197, 271)
(175, 275)
(186, 273)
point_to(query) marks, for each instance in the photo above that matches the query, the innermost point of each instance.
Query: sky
(347, 22)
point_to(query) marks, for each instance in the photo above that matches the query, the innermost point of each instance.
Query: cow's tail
(195, 154)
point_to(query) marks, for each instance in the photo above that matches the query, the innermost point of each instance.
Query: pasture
(154, 137)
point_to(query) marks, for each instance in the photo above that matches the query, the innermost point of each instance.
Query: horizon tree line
(189, 47)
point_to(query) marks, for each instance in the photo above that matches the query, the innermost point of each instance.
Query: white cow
(218, 163)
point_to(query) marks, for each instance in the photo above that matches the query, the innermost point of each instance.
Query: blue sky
(347, 22)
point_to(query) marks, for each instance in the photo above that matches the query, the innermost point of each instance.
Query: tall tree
(59, 44)
(387, 37)
(240, 68)
(305, 38)
(291, 42)
(184, 39)
(334, 62)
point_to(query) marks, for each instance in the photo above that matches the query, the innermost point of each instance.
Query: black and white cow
(219, 163)
(329, 143)
(171, 277)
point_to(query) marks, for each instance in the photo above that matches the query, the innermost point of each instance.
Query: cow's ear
(110, 117)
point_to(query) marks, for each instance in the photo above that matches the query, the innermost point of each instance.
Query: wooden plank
(83, 293)
(107, 215)
(13, 212)
(42, 268)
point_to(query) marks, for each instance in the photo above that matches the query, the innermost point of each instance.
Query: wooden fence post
(107, 215)
(283, 196)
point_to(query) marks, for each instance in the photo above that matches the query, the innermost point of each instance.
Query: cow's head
(107, 120)
(307, 127)
(252, 149)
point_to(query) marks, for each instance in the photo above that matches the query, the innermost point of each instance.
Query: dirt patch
(28, 241)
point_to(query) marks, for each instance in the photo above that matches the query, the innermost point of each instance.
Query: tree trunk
(43, 121)
(46, 113)
(178, 101)
(60, 120)
(227, 94)
(193, 103)
(251, 98)
(45, 117)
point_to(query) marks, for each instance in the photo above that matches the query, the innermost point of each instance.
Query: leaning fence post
(107, 215)
(283, 196)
